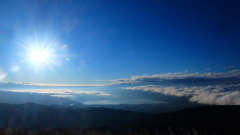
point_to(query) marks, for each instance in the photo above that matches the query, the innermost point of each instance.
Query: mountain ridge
(35, 116)
(22, 97)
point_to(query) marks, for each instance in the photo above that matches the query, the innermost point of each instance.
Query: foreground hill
(35, 116)
(208, 119)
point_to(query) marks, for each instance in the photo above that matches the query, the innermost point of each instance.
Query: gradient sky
(101, 41)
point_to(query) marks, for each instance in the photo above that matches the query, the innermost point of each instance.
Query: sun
(39, 56)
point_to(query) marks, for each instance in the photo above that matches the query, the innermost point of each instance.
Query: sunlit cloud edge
(45, 84)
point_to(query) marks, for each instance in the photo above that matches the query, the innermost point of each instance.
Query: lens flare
(2, 74)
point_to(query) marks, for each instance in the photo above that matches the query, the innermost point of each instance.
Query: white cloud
(61, 95)
(184, 77)
(211, 94)
(42, 84)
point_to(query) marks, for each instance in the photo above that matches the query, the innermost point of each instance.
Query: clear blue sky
(96, 41)
(109, 40)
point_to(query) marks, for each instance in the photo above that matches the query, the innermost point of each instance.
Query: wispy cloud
(208, 69)
(231, 66)
(61, 96)
(64, 46)
(63, 92)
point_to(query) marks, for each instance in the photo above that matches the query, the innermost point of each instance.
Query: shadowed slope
(219, 119)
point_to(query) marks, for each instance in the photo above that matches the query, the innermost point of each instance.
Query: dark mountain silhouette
(35, 116)
(208, 119)
(21, 97)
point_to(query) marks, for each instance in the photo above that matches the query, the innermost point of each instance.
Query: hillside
(208, 119)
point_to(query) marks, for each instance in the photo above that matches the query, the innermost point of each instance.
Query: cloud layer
(207, 88)
(62, 92)
(41, 84)
(230, 77)
(211, 94)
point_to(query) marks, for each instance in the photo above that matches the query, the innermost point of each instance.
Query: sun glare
(38, 56)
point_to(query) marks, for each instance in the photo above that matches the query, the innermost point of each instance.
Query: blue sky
(100, 42)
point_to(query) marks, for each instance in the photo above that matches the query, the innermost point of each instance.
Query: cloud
(64, 46)
(42, 84)
(208, 69)
(231, 66)
(62, 92)
(230, 77)
(207, 88)
(61, 96)
(220, 94)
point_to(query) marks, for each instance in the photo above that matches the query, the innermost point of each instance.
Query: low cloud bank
(211, 94)
(230, 77)
(221, 88)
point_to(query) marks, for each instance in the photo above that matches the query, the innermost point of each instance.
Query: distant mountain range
(59, 102)
(149, 108)
(44, 99)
